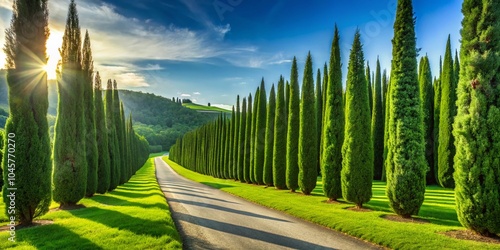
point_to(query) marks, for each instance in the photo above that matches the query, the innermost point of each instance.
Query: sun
(53, 44)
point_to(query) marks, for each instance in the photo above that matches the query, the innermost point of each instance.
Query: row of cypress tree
(80, 164)
(417, 133)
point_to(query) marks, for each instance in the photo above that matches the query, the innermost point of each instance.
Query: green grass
(134, 216)
(438, 208)
(201, 108)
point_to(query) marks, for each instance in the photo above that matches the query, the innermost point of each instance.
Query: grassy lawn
(199, 107)
(438, 208)
(134, 216)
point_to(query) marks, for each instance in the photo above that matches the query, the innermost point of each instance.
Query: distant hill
(157, 118)
(201, 108)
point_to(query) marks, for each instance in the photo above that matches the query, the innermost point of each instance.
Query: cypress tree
(446, 148)
(230, 146)
(357, 150)
(308, 153)
(377, 128)
(292, 168)
(70, 162)
(123, 167)
(476, 129)
(333, 128)
(238, 143)
(426, 98)
(279, 149)
(386, 130)
(406, 166)
(90, 123)
(370, 90)
(269, 146)
(319, 117)
(114, 156)
(253, 134)
(119, 133)
(456, 70)
(28, 101)
(130, 135)
(323, 108)
(242, 141)
(287, 101)
(437, 111)
(260, 135)
(248, 139)
(103, 162)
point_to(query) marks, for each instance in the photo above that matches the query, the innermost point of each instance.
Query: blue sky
(213, 50)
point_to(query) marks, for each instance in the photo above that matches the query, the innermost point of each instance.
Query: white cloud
(6, 4)
(185, 95)
(196, 93)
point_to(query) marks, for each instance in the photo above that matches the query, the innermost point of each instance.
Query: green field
(134, 216)
(202, 108)
(438, 209)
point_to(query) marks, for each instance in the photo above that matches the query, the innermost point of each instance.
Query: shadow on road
(225, 209)
(202, 197)
(249, 233)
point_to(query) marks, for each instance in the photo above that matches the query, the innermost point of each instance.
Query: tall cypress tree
(377, 128)
(333, 128)
(446, 150)
(280, 128)
(238, 145)
(370, 90)
(319, 117)
(386, 129)
(242, 141)
(269, 146)
(123, 148)
(406, 166)
(70, 161)
(114, 153)
(437, 108)
(248, 139)
(28, 101)
(308, 153)
(253, 135)
(260, 135)
(357, 150)
(103, 163)
(426, 98)
(90, 123)
(323, 111)
(292, 167)
(119, 133)
(476, 129)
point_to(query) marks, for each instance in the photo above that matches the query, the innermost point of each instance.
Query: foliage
(357, 150)
(292, 168)
(269, 144)
(280, 128)
(377, 128)
(103, 163)
(427, 100)
(260, 135)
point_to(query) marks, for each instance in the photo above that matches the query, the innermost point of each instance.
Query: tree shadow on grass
(114, 201)
(54, 237)
(249, 233)
(145, 189)
(121, 221)
(134, 195)
(225, 209)
(217, 185)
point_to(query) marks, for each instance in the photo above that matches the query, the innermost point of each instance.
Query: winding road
(208, 218)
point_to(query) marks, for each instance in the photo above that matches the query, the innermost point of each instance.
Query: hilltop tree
(28, 101)
(269, 146)
(446, 150)
(406, 166)
(357, 150)
(242, 140)
(260, 135)
(90, 123)
(308, 153)
(279, 149)
(333, 128)
(377, 128)
(476, 127)
(426, 98)
(70, 161)
(103, 163)
(292, 167)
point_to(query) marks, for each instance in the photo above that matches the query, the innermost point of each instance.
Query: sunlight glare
(53, 44)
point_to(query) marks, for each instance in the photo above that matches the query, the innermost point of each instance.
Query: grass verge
(438, 209)
(134, 216)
